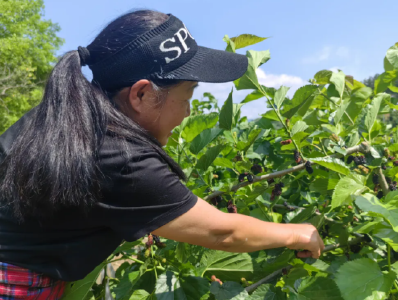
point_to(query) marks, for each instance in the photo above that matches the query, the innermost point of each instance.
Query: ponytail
(53, 162)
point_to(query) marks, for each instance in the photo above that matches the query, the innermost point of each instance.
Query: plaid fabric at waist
(21, 283)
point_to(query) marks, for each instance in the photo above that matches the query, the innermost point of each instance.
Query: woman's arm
(209, 227)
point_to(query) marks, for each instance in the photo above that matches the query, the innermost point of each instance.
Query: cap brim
(211, 65)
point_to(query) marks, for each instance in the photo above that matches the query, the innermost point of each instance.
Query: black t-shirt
(140, 194)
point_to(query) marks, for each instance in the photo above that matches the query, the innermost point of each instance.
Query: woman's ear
(139, 94)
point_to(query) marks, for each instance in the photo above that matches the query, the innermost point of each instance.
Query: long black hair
(54, 160)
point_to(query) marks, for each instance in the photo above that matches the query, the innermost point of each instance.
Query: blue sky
(304, 36)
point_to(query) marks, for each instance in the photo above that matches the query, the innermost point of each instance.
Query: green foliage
(326, 121)
(27, 46)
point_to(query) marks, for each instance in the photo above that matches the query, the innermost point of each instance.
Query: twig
(328, 248)
(383, 182)
(363, 147)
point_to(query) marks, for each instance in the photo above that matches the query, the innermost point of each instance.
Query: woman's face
(157, 116)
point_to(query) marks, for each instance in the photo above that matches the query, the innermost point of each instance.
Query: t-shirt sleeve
(143, 195)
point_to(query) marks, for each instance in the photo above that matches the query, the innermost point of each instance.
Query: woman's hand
(306, 237)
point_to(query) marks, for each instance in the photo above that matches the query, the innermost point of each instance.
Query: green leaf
(140, 295)
(317, 288)
(203, 139)
(267, 292)
(230, 44)
(280, 96)
(299, 126)
(226, 114)
(223, 162)
(338, 79)
(362, 279)
(323, 77)
(229, 290)
(345, 191)
(249, 79)
(385, 232)
(207, 159)
(392, 56)
(304, 215)
(372, 111)
(301, 101)
(389, 211)
(169, 287)
(250, 140)
(384, 81)
(80, 288)
(245, 40)
(226, 265)
(194, 125)
(333, 164)
(253, 96)
(127, 284)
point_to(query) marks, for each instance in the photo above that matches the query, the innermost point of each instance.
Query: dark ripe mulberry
(270, 181)
(287, 142)
(350, 159)
(297, 157)
(156, 238)
(355, 248)
(242, 177)
(308, 167)
(362, 159)
(395, 163)
(394, 183)
(237, 158)
(375, 178)
(388, 179)
(380, 194)
(256, 169)
(232, 209)
(216, 200)
(384, 167)
(391, 158)
(249, 177)
(356, 160)
(281, 184)
(392, 187)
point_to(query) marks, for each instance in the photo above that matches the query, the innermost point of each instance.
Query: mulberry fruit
(380, 194)
(249, 177)
(375, 178)
(147, 252)
(270, 181)
(395, 163)
(277, 191)
(388, 179)
(350, 159)
(215, 279)
(216, 200)
(158, 242)
(391, 158)
(232, 209)
(355, 248)
(308, 167)
(256, 169)
(384, 167)
(237, 158)
(334, 137)
(149, 242)
(392, 187)
(297, 157)
(287, 142)
(242, 176)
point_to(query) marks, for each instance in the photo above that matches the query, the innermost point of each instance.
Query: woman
(85, 169)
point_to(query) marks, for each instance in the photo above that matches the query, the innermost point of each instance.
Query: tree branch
(363, 148)
(383, 182)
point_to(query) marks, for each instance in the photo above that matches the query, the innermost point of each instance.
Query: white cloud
(255, 108)
(322, 55)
